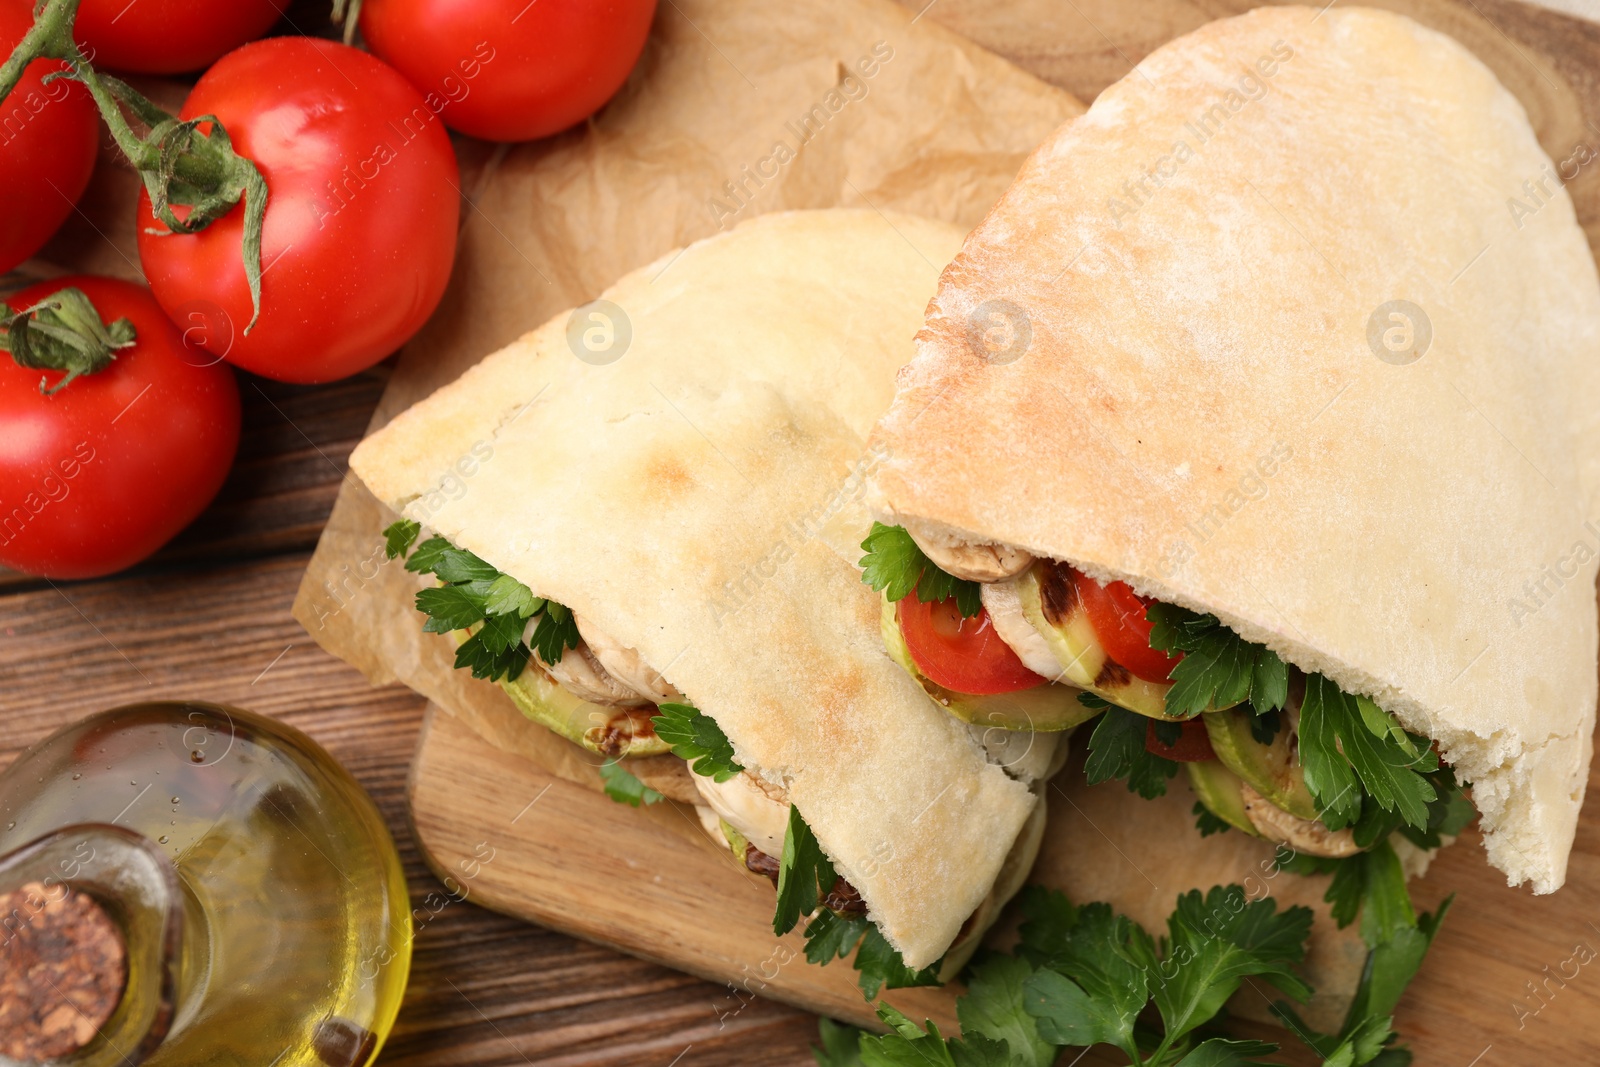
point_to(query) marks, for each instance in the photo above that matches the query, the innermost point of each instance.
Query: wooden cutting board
(1509, 980)
(647, 882)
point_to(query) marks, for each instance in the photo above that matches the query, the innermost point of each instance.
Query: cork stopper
(63, 968)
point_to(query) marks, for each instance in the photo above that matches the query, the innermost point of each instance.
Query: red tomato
(362, 207)
(48, 138)
(511, 70)
(1117, 615)
(963, 655)
(1193, 747)
(103, 473)
(169, 36)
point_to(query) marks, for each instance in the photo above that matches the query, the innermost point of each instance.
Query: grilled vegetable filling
(571, 678)
(1270, 751)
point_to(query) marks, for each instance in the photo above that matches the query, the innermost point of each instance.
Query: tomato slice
(1193, 747)
(962, 654)
(1117, 614)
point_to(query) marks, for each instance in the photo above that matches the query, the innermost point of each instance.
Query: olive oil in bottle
(293, 925)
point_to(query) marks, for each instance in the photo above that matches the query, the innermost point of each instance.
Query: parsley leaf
(1449, 813)
(449, 607)
(1117, 750)
(802, 871)
(555, 632)
(1264, 726)
(1208, 823)
(841, 1044)
(1048, 921)
(459, 565)
(623, 786)
(1373, 884)
(1219, 668)
(830, 936)
(502, 634)
(1220, 939)
(1349, 748)
(1221, 1052)
(993, 1008)
(476, 655)
(1393, 963)
(398, 537)
(696, 737)
(907, 1045)
(882, 967)
(894, 566)
(507, 596)
(1095, 969)
(474, 595)
(1086, 975)
(427, 555)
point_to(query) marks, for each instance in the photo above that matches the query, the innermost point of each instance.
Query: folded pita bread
(695, 500)
(1299, 329)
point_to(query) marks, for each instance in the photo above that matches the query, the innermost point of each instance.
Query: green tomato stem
(62, 332)
(179, 164)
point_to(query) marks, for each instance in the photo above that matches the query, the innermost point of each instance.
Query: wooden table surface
(208, 618)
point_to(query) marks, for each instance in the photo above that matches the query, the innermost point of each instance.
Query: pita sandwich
(661, 480)
(1285, 358)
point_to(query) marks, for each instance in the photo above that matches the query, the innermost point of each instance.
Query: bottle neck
(91, 935)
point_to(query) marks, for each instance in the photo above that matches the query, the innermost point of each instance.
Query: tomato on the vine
(964, 655)
(48, 139)
(510, 70)
(361, 214)
(100, 474)
(1193, 744)
(1117, 614)
(169, 36)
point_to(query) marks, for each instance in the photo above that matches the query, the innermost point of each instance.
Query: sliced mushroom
(626, 665)
(1302, 835)
(756, 808)
(974, 562)
(581, 673)
(1003, 601)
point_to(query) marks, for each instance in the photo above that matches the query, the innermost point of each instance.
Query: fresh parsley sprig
(1351, 749)
(805, 878)
(1361, 766)
(805, 874)
(1117, 750)
(623, 786)
(1372, 885)
(696, 738)
(830, 936)
(1087, 976)
(1207, 822)
(475, 595)
(894, 566)
(1219, 668)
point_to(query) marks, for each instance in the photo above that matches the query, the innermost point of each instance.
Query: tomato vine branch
(347, 13)
(181, 165)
